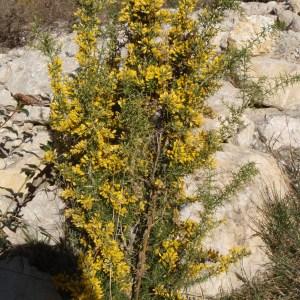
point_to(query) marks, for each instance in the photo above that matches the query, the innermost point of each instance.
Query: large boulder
(238, 214)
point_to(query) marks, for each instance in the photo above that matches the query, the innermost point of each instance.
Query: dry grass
(17, 17)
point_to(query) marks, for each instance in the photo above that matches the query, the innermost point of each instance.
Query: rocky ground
(265, 132)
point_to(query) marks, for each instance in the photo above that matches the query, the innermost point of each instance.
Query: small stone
(6, 99)
(280, 130)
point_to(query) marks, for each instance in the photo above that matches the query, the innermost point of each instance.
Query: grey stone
(69, 47)
(224, 98)
(245, 135)
(287, 46)
(26, 74)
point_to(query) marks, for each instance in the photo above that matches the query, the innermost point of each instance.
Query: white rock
(224, 98)
(295, 4)
(33, 114)
(38, 139)
(287, 46)
(289, 97)
(280, 130)
(69, 47)
(221, 40)
(270, 67)
(238, 214)
(245, 134)
(14, 143)
(248, 28)
(2, 164)
(25, 70)
(26, 74)
(227, 96)
(43, 215)
(6, 99)
(231, 19)
(260, 8)
(12, 178)
(290, 19)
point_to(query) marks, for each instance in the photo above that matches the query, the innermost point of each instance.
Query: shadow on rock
(26, 271)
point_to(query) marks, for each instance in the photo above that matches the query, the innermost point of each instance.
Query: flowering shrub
(128, 129)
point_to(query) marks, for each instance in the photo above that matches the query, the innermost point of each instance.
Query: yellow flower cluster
(186, 150)
(118, 198)
(169, 255)
(168, 294)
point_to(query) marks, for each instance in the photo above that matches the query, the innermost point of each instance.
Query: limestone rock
(24, 70)
(245, 134)
(224, 98)
(280, 129)
(69, 47)
(295, 4)
(42, 219)
(33, 114)
(221, 102)
(248, 28)
(271, 68)
(290, 19)
(6, 99)
(287, 46)
(238, 214)
(26, 74)
(260, 8)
